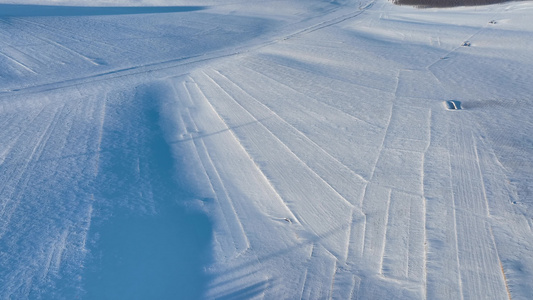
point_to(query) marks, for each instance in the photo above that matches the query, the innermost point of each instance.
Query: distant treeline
(446, 3)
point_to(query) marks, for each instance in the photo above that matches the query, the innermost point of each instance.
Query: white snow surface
(265, 150)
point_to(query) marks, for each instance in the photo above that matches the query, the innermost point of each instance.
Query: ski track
(240, 239)
(325, 176)
(22, 177)
(455, 231)
(48, 128)
(18, 63)
(386, 227)
(56, 44)
(229, 112)
(480, 263)
(317, 278)
(315, 163)
(15, 52)
(244, 211)
(260, 63)
(101, 122)
(76, 37)
(337, 111)
(297, 114)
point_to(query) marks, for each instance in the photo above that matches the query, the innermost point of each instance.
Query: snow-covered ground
(265, 149)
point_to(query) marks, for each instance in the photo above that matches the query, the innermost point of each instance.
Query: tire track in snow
(483, 189)
(358, 249)
(292, 218)
(285, 145)
(315, 121)
(400, 168)
(73, 36)
(23, 176)
(51, 167)
(240, 241)
(328, 23)
(280, 141)
(43, 263)
(18, 131)
(102, 117)
(55, 253)
(302, 288)
(507, 219)
(479, 261)
(292, 187)
(18, 63)
(500, 263)
(267, 121)
(456, 235)
(337, 110)
(442, 278)
(375, 208)
(256, 203)
(385, 227)
(476, 151)
(202, 152)
(380, 148)
(291, 71)
(404, 239)
(11, 132)
(319, 279)
(263, 121)
(469, 38)
(395, 236)
(346, 284)
(425, 211)
(258, 168)
(319, 167)
(53, 43)
(172, 63)
(134, 74)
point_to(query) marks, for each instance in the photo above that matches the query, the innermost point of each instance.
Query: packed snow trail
(271, 150)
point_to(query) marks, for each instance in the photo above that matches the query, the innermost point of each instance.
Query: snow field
(420, 225)
(297, 154)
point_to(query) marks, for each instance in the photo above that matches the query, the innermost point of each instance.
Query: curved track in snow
(256, 151)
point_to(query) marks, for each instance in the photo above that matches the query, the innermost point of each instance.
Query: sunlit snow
(160, 149)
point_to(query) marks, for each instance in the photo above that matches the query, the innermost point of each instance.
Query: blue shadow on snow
(145, 244)
(23, 10)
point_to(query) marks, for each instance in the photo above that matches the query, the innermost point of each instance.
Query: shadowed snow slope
(274, 150)
(11, 10)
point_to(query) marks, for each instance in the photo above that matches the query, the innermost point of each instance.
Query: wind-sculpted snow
(251, 151)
